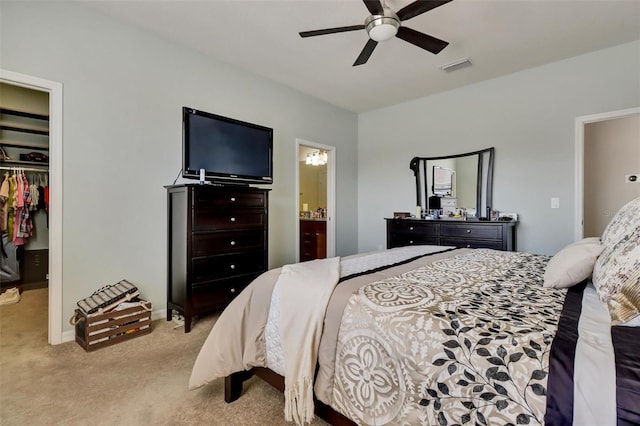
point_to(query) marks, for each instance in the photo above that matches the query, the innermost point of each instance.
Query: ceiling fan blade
(424, 41)
(366, 52)
(331, 31)
(419, 7)
(374, 6)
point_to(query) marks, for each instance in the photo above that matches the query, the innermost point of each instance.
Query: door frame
(581, 122)
(331, 194)
(54, 89)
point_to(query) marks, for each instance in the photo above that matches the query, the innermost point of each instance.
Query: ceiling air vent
(456, 65)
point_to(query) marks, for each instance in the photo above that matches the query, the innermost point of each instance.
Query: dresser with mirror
(455, 195)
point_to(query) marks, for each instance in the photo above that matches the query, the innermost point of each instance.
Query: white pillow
(572, 265)
(587, 240)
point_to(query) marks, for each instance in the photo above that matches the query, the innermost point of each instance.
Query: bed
(438, 336)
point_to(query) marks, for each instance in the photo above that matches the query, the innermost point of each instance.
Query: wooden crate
(100, 330)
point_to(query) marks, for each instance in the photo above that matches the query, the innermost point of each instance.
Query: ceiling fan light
(382, 28)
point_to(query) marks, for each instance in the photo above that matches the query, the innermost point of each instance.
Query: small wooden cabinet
(217, 244)
(313, 239)
(35, 267)
(473, 234)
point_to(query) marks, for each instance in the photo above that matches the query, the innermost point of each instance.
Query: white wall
(123, 90)
(529, 117)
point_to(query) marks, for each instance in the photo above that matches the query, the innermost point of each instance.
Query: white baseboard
(70, 335)
(159, 314)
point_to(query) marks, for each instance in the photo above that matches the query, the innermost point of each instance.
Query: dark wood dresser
(473, 234)
(217, 244)
(313, 239)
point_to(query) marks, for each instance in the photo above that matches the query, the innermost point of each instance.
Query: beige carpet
(139, 382)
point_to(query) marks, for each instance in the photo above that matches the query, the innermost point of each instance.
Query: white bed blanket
(308, 284)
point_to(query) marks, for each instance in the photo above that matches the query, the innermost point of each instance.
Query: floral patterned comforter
(462, 340)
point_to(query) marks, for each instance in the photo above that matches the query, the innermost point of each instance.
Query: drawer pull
(233, 219)
(410, 242)
(232, 266)
(468, 231)
(233, 243)
(468, 245)
(233, 198)
(233, 290)
(411, 228)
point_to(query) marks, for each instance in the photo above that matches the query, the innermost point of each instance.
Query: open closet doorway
(18, 89)
(607, 155)
(315, 201)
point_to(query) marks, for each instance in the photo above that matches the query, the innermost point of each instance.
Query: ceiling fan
(384, 23)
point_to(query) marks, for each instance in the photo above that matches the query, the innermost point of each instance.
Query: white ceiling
(498, 36)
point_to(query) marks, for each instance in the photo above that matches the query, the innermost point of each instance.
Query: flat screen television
(229, 150)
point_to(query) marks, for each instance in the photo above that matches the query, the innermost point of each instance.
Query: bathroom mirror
(458, 181)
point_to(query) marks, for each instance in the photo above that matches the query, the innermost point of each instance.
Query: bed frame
(233, 390)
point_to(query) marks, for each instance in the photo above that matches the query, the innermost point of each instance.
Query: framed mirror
(461, 181)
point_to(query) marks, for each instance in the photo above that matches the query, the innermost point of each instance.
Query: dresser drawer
(401, 240)
(210, 220)
(414, 227)
(227, 265)
(228, 198)
(227, 242)
(464, 230)
(472, 243)
(217, 295)
(494, 235)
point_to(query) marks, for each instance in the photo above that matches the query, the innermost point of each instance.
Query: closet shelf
(26, 163)
(24, 129)
(30, 145)
(29, 123)
(26, 114)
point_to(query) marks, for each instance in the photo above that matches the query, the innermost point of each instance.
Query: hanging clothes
(33, 190)
(46, 196)
(11, 206)
(20, 196)
(23, 227)
(41, 203)
(4, 198)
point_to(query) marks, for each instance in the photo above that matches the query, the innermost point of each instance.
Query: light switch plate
(555, 203)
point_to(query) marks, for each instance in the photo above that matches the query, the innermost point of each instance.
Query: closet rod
(26, 169)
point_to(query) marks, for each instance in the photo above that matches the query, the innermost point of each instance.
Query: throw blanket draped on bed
(308, 284)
